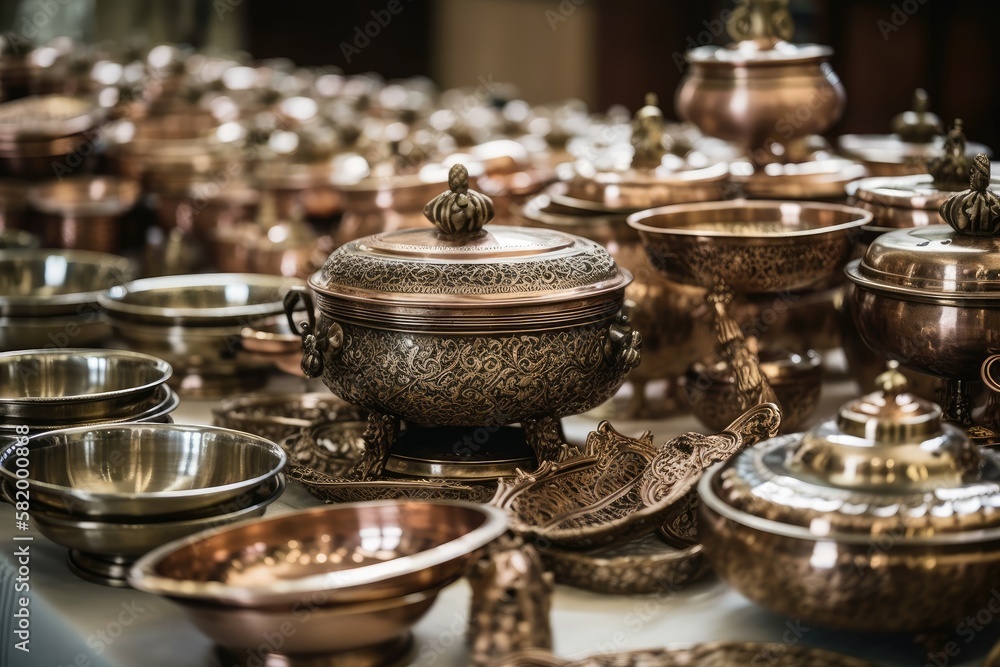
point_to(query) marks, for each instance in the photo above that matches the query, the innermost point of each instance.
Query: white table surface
(78, 623)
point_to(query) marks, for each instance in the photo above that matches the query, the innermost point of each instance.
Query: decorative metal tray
(619, 488)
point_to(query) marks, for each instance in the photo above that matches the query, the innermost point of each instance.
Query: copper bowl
(83, 212)
(751, 246)
(350, 553)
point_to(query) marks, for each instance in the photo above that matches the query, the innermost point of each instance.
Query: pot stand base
(105, 570)
(459, 453)
(392, 653)
(543, 436)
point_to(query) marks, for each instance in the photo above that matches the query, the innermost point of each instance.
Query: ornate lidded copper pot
(464, 326)
(917, 136)
(772, 98)
(929, 297)
(884, 519)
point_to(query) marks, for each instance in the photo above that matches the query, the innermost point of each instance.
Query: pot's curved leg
(545, 437)
(380, 435)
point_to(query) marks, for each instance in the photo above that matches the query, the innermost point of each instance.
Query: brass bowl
(640, 567)
(57, 282)
(350, 553)
(83, 211)
(146, 470)
(751, 246)
(53, 385)
(796, 380)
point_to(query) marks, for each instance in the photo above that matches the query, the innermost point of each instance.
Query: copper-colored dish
(83, 212)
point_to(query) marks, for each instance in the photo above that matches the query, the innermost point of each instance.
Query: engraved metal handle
(315, 344)
(623, 343)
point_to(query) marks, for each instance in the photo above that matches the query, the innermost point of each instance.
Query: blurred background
(603, 52)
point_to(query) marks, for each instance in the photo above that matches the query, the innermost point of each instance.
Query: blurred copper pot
(82, 212)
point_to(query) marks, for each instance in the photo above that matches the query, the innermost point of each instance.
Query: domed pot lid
(460, 264)
(948, 173)
(958, 262)
(888, 464)
(660, 167)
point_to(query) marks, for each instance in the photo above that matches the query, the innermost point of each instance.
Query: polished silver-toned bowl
(353, 552)
(57, 282)
(164, 402)
(199, 300)
(195, 323)
(53, 385)
(144, 470)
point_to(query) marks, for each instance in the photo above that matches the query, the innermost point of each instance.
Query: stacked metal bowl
(45, 133)
(195, 322)
(48, 298)
(361, 573)
(43, 390)
(111, 493)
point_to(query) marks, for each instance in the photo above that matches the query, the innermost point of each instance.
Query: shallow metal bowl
(144, 470)
(752, 246)
(164, 402)
(56, 282)
(331, 629)
(351, 552)
(214, 299)
(54, 386)
(133, 538)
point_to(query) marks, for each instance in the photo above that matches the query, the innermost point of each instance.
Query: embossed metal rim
(440, 302)
(143, 574)
(920, 295)
(708, 496)
(860, 217)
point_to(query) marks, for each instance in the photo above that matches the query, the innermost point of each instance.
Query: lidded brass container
(465, 326)
(929, 297)
(883, 519)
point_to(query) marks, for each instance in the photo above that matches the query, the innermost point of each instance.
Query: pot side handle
(623, 343)
(315, 344)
